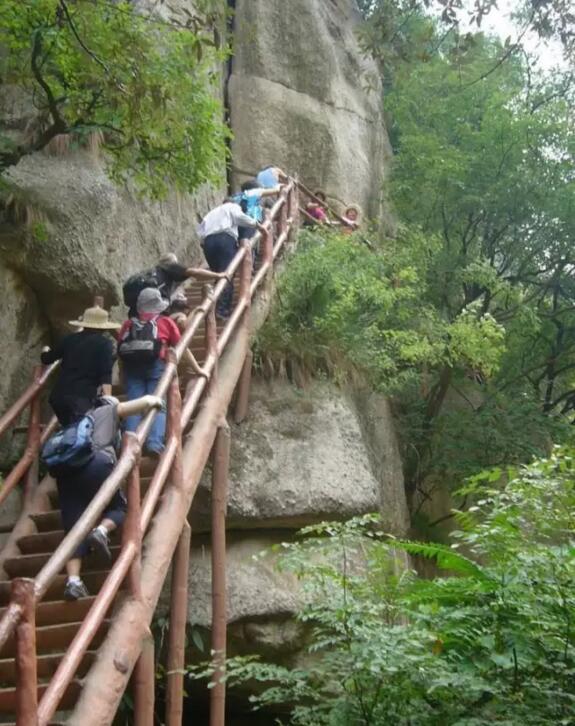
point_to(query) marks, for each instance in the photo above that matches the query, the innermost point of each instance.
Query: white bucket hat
(95, 318)
(151, 301)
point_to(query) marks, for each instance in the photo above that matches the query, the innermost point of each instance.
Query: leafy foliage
(147, 84)
(341, 307)
(493, 644)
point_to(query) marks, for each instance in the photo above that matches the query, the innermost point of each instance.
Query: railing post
(243, 395)
(26, 667)
(246, 273)
(177, 635)
(294, 213)
(33, 442)
(220, 469)
(180, 571)
(284, 215)
(211, 337)
(144, 679)
(132, 529)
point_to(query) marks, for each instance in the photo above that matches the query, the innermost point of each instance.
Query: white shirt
(225, 218)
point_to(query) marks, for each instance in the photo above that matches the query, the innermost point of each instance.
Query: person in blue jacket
(270, 176)
(250, 200)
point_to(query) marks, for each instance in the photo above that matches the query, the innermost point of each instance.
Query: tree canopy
(148, 83)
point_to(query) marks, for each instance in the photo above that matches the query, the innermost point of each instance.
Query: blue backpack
(70, 448)
(251, 205)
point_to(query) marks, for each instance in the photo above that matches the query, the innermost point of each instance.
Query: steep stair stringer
(117, 656)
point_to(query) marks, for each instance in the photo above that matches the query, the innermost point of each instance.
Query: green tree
(495, 644)
(487, 168)
(147, 84)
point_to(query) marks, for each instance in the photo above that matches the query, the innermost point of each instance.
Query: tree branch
(84, 47)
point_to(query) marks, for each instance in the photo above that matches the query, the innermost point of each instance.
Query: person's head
(249, 184)
(150, 301)
(352, 213)
(95, 319)
(169, 258)
(321, 196)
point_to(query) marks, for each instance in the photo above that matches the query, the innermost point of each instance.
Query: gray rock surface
(256, 590)
(89, 234)
(298, 97)
(299, 458)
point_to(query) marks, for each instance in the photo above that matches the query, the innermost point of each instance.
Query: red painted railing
(19, 617)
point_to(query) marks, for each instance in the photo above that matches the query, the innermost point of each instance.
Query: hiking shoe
(99, 543)
(75, 590)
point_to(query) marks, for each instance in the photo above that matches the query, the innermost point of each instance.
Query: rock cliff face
(298, 98)
(302, 457)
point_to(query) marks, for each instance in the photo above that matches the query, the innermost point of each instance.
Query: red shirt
(168, 331)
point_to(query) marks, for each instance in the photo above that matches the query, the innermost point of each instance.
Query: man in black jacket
(86, 369)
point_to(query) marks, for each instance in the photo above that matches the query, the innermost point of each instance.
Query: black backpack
(138, 282)
(140, 344)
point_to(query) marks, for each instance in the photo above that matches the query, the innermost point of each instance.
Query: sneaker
(75, 589)
(99, 542)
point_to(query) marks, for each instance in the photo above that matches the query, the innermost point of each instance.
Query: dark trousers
(77, 489)
(219, 250)
(69, 409)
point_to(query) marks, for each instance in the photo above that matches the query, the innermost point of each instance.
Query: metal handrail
(27, 592)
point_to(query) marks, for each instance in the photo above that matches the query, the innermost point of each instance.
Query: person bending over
(219, 232)
(270, 176)
(78, 483)
(87, 359)
(250, 200)
(166, 276)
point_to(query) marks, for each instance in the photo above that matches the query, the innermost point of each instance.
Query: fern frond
(445, 557)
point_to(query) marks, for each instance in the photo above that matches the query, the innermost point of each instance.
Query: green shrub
(493, 644)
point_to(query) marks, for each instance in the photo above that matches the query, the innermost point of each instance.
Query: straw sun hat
(95, 318)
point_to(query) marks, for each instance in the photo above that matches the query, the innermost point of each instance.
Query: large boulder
(298, 98)
(87, 235)
(299, 458)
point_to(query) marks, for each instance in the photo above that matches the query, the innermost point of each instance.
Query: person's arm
(106, 363)
(49, 355)
(241, 219)
(270, 192)
(189, 361)
(139, 405)
(201, 274)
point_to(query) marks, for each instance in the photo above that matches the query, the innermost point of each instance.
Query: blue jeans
(219, 251)
(139, 382)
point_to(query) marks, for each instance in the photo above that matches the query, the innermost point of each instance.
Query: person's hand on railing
(155, 402)
(192, 365)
